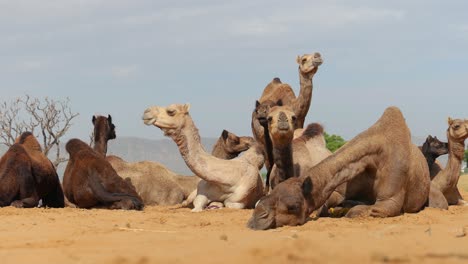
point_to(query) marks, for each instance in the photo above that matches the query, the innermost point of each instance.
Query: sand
(175, 235)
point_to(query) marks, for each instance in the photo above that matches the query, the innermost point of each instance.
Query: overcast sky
(120, 56)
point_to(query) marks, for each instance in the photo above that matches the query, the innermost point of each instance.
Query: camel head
(281, 122)
(458, 130)
(103, 127)
(286, 205)
(309, 63)
(435, 147)
(262, 110)
(169, 119)
(235, 145)
(28, 140)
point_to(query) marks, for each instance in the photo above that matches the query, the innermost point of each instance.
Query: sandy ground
(172, 235)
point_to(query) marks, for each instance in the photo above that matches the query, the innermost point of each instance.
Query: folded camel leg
(383, 208)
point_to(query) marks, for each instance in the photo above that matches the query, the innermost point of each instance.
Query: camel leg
(384, 208)
(437, 198)
(190, 199)
(234, 205)
(454, 197)
(334, 200)
(199, 203)
(27, 189)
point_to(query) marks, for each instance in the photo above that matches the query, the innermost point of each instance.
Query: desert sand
(176, 235)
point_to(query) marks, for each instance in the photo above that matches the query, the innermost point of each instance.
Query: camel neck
(100, 146)
(302, 103)
(456, 154)
(188, 141)
(348, 162)
(268, 146)
(283, 159)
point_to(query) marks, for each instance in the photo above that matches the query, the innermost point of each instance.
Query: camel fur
(236, 183)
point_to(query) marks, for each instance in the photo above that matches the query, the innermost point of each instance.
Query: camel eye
(294, 118)
(293, 208)
(456, 127)
(170, 112)
(270, 119)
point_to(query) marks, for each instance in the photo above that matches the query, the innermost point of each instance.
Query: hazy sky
(121, 56)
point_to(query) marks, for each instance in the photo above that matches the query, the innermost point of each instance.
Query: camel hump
(393, 113)
(313, 130)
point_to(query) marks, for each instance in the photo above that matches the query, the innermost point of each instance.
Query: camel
(293, 156)
(276, 90)
(104, 130)
(90, 181)
(229, 145)
(432, 148)
(236, 183)
(156, 184)
(27, 176)
(259, 126)
(444, 190)
(380, 167)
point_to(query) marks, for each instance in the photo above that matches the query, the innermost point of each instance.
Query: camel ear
(450, 121)
(225, 134)
(429, 138)
(109, 118)
(186, 107)
(257, 104)
(307, 187)
(298, 59)
(94, 119)
(279, 102)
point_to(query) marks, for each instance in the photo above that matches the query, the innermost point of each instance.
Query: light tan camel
(236, 183)
(156, 184)
(444, 183)
(380, 167)
(293, 157)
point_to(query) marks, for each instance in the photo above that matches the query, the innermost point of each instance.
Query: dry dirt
(172, 235)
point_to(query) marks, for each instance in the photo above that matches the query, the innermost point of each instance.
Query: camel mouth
(149, 121)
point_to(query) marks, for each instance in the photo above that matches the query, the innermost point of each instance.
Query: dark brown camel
(380, 167)
(104, 130)
(27, 176)
(433, 148)
(90, 181)
(229, 145)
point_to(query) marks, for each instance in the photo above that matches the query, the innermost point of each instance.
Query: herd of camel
(379, 173)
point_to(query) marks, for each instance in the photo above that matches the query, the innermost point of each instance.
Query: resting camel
(380, 167)
(432, 148)
(27, 176)
(236, 183)
(156, 184)
(229, 145)
(90, 181)
(444, 184)
(276, 90)
(293, 156)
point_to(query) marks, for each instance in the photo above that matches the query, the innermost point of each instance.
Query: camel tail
(313, 130)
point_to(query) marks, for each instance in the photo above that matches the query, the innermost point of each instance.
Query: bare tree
(48, 119)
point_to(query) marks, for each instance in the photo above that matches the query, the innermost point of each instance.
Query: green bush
(334, 142)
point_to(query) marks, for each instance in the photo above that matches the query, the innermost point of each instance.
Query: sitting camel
(28, 176)
(293, 156)
(90, 181)
(380, 167)
(444, 188)
(156, 184)
(276, 91)
(432, 148)
(236, 183)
